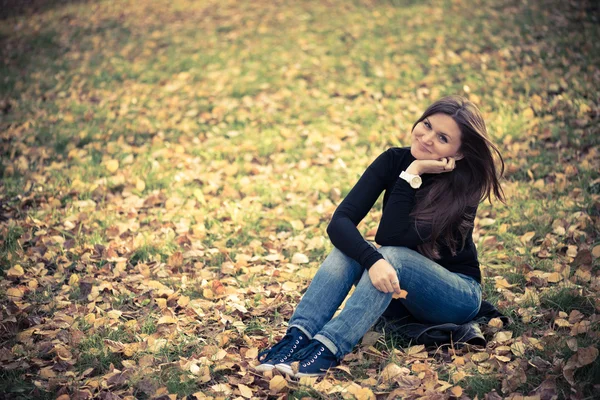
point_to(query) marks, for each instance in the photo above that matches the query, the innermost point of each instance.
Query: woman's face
(436, 137)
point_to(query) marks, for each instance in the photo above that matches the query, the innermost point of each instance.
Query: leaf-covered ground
(169, 168)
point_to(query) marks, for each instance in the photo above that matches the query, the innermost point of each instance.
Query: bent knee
(397, 254)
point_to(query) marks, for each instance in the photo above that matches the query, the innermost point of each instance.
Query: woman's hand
(419, 167)
(384, 278)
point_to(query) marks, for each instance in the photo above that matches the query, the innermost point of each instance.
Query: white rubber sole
(287, 369)
(264, 367)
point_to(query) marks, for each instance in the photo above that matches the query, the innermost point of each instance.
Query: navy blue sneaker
(313, 360)
(292, 342)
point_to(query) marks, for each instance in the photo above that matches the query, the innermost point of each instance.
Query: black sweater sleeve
(342, 229)
(397, 227)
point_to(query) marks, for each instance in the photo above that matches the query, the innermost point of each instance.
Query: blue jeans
(435, 295)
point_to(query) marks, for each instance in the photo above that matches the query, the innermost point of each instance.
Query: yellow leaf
(140, 185)
(112, 165)
(496, 323)
(456, 391)
(15, 272)
(554, 277)
(252, 353)
(503, 336)
(166, 319)
(297, 224)
(502, 283)
(518, 349)
(222, 388)
(361, 393)
(277, 384)
(14, 294)
(458, 376)
(245, 391)
(183, 301)
(415, 349)
(73, 280)
(527, 237)
(528, 113)
(114, 314)
(480, 357)
(562, 323)
(391, 371)
(299, 258)
(289, 286)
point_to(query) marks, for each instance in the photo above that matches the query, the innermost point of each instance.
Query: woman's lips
(423, 147)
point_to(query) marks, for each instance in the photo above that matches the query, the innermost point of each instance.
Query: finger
(387, 286)
(396, 287)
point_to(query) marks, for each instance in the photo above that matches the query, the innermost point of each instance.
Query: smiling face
(437, 136)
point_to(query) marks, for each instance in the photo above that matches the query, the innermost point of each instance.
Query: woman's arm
(342, 229)
(397, 227)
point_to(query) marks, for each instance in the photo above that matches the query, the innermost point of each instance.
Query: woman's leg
(434, 295)
(326, 292)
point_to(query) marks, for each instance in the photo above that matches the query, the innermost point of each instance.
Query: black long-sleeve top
(397, 227)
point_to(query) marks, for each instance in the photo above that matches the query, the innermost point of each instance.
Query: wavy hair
(474, 179)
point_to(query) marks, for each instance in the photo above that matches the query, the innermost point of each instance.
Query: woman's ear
(458, 156)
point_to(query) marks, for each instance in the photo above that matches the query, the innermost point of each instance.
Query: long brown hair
(445, 204)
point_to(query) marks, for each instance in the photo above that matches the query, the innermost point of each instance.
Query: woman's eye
(443, 139)
(427, 124)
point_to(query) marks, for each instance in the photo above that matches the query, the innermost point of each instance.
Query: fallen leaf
(15, 272)
(299, 258)
(245, 391)
(112, 165)
(277, 384)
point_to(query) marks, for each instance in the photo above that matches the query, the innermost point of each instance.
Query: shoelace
(276, 351)
(312, 351)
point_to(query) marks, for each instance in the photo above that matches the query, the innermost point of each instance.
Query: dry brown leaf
(391, 371)
(401, 295)
(245, 391)
(277, 384)
(596, 251)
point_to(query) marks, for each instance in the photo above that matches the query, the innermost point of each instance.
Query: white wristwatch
(414, 180)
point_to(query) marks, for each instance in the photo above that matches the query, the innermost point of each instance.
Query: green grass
(95, 354)
(17, 384)
(480, 385)
(300, 103)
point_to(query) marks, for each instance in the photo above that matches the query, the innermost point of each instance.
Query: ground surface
(169, 168)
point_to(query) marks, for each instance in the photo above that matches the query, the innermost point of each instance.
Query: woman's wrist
(413, 168)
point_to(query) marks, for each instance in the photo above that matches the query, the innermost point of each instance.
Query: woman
(432, 190)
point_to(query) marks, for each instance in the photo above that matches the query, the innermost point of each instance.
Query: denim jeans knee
(435, 294)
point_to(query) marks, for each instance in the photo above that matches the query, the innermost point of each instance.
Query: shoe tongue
(311, 348)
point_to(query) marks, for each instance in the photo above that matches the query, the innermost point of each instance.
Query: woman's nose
(428, 137)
